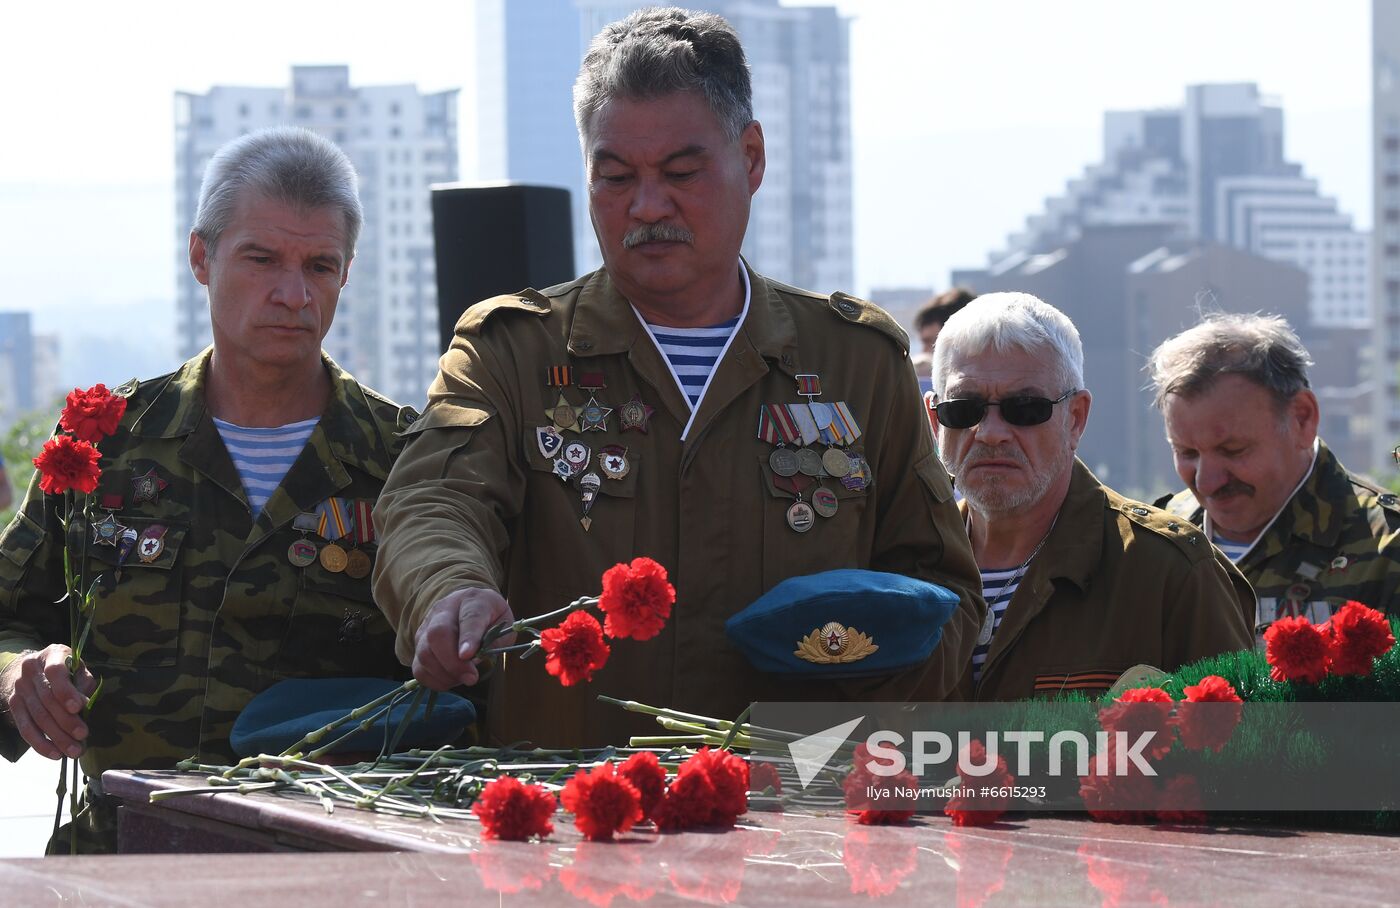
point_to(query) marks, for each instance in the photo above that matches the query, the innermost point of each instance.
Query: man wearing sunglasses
(1081, 583)
(1242, 424)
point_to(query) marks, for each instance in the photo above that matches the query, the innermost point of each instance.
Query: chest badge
(613, 461)
(549, 440)
(147, 487)
(635, 415)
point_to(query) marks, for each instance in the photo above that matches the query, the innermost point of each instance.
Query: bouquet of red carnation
(1348, 644)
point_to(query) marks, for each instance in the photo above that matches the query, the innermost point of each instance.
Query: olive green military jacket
(183, 641)
(474, 503)
(1337, 539)
(1117, 584)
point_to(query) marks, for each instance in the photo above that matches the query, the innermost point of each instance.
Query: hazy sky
(967, 114)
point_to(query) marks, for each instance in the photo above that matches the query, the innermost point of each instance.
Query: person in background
(1242, 423)
(7, 495)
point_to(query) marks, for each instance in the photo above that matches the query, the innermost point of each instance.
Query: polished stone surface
(771, 859)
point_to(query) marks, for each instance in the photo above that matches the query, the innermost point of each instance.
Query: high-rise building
(400, 141)
(1385, 163)
(1214, 169)
(800, 227)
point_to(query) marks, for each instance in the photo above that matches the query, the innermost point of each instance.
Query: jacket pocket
(558, 504)
(829, 542)
(136, 618)
(335, 629)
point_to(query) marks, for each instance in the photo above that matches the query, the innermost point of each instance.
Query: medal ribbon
(846, 423)
(767, 428)
(364, 522)
(802, 416)
(592, 381)
(825, 419)
(334, 521)
(560, 376)
(809, 385)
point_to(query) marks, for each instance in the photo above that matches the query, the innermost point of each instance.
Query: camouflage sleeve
(31, 589)
(452, 494)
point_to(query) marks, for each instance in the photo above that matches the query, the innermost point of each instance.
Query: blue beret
(289, 710)
(843, 624)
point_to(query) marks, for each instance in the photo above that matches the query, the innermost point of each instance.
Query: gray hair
(1261, 348)
(660, 51)
(1005, 321)
(286, 163)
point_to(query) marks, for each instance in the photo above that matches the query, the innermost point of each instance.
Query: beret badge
(834, 643)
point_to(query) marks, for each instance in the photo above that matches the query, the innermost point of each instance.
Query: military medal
(800, 516)
(588, 487)
(107, 530)
(824, 502)
(809, 462)
(357, 561)
(836, 462)
(594, 417)
(576, 455)
(333, 557)
(859, 476)
(549, 440)
(613, 461)
(147, 487)
(151, 543)
(563, 415)
(783, 462)
(301, 553)
(635, 415)
(352, 626)
(777, 427)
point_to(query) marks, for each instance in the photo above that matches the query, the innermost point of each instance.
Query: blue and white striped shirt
(997, 588)
(1233, 550)
(263, 456)
(693, 352)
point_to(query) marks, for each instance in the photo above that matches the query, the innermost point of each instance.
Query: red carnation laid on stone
(1208, 716)
(763, 776)
(93, 414)
(603, 803)
(513, 811)
(575, 649)
(878, 800)
(645, 773)
(711, 789)
(1136, 712)
(636, 599)
(67, 463)
(980, 810)
(1359, 635)
(1297, 650)
(1180, 802)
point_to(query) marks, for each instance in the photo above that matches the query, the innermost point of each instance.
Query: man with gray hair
(1242, 423)
(660, 406)
(231, 541)
(1080, 582)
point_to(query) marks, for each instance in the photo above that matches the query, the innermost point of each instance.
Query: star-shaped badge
(147, 487)
(107, 531)
(594, 417)
(563, 415)
(635, 415)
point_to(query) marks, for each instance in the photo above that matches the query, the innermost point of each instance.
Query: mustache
(1233, 487)
(980, 452)
(657, 233)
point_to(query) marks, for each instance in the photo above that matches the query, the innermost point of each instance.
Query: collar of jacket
(1315, 514)
(348, 425)
(604, 322)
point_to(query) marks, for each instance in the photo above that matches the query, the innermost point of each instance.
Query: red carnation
(1207, 717)
(575, 649)
(603, 803)
(979, 810)
(1180, 801)
(514, 811)
(636, 599)
(67, 463)
(93, 414)
(710, 789)
(646, 774)
(1114, 798)
(1297, 650)
(878, 800)
(763, 776)
(1140, 711)
(1359, 635)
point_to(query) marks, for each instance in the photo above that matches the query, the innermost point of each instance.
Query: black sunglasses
(1017, 411)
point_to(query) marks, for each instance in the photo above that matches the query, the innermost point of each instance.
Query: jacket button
(1140, 511)
(1388, 498)
(1174, 526)
(846, 307)
(585, 345)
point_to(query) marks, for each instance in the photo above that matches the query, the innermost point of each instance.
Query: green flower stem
(354, 715)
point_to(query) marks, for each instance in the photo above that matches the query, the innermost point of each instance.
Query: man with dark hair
(935, 314)
(660, 406)
(243, 482)
(1242, 424)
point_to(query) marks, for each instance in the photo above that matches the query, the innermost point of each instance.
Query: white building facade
(401, 141)
(1385, 276)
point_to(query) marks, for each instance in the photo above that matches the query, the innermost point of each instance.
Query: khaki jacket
(1337, 539)
(1117, 584)
(183, 641)
(474, 503)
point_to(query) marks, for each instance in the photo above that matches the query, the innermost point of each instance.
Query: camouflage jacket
(1337, 539)
(182, 641)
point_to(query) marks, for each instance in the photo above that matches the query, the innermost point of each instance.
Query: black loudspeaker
(497, 238)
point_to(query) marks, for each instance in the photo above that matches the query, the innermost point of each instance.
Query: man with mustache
(230, 537)
(1080, 582)
(1242, 424)
(675, 404)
